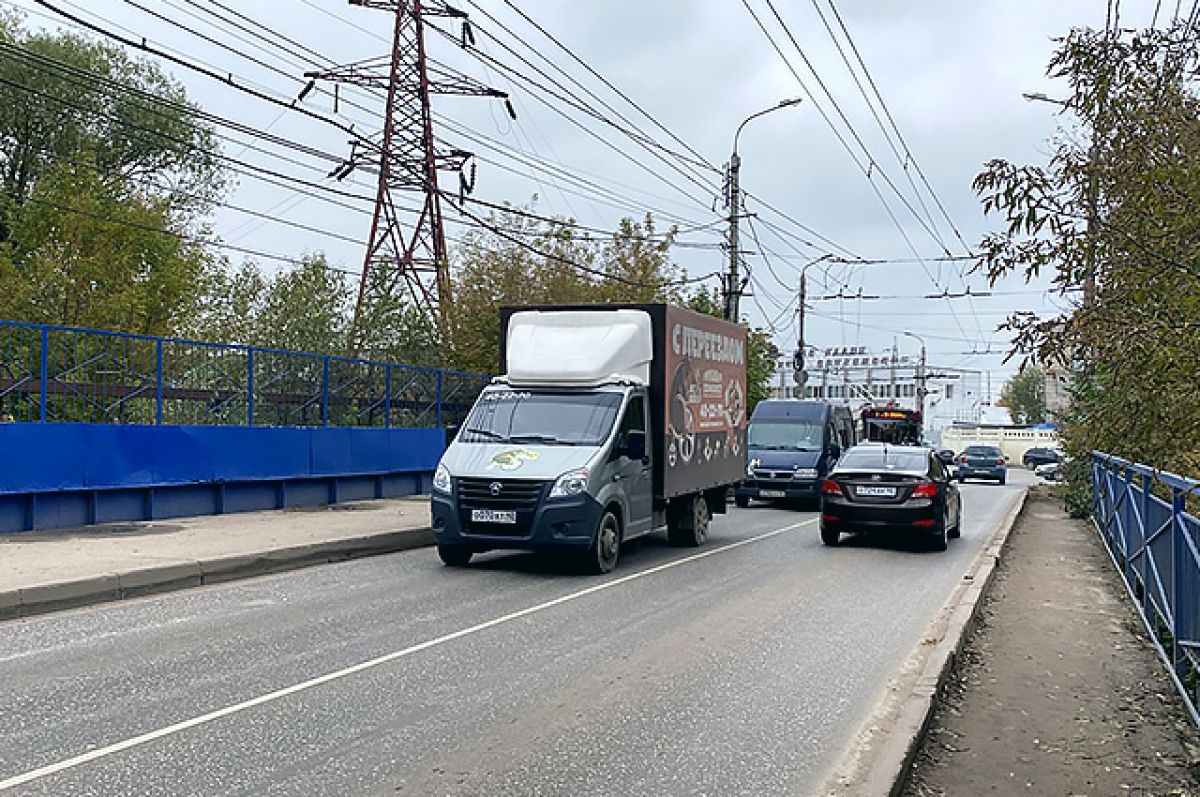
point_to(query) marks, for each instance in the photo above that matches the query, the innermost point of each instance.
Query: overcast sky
(951, 73)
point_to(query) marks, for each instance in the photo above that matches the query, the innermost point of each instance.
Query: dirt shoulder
(1058, 691)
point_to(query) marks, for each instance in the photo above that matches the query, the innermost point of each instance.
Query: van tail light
(925, 490)
(830, 487)
(962, 460)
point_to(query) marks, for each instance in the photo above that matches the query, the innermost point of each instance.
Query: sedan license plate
(876, 492)
(493, 516)
(772, 494)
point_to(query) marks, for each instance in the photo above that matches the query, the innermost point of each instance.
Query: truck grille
(772, 475)
(499, 493)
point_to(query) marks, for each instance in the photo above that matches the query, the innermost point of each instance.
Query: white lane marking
(102, 752)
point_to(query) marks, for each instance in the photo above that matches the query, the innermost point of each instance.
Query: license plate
(772, 494)
(493, 516)
(876, 492)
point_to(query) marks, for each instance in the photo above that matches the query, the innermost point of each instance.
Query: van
(792, 445)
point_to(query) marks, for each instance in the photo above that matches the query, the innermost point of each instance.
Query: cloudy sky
(950, 72)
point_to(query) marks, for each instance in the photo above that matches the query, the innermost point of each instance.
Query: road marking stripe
(102, 752)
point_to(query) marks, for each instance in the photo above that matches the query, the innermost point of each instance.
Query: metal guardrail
(1155, 543)
(53, 373)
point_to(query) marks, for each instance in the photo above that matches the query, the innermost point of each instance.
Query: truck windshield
(790, 435)
(541, 418)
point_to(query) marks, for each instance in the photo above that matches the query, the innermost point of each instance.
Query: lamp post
(1089, 277)
(920, 379)
(733, 288)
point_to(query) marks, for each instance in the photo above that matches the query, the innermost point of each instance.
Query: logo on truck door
(511, 459)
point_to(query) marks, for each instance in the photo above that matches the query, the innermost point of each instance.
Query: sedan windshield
(792, 435)
(541, 418)
(883, 459)
(982, 451)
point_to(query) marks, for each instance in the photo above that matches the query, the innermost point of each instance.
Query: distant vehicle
(1039, 456)
(893, 425)
(792, 445)
(1050, 471)
(608, 424)
(982, 462)
(901, 489)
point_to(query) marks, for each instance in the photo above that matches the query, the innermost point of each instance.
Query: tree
(1121, 210)
(306, 308)
(1024, 395)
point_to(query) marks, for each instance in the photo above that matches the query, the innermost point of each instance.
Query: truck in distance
(609, 423)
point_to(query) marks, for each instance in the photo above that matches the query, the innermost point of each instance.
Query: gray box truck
(609, 422)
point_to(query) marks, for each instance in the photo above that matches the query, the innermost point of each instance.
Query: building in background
(859, 378)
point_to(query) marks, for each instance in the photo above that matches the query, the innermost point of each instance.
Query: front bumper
(777, 489)
(565, 522)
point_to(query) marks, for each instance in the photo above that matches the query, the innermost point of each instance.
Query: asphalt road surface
(741, 668)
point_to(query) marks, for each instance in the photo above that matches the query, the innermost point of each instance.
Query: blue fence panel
(1143, 518)
(68, 375)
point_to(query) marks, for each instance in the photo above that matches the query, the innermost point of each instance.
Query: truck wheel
(455, 555)
(605, 549)
(688, 527)
(742, 501)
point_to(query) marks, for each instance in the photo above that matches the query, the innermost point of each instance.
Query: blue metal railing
(1155, 543)
(53, 373)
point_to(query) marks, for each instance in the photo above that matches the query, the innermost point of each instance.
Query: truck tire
(742, 501)
(687, 526)
(455, 555)
(605, 550)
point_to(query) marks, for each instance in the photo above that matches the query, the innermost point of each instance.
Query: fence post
(1178, 507)
(438, 414)
(157, 412)
(387, 396)
(45, 373)
(250, 386)
(325, 391)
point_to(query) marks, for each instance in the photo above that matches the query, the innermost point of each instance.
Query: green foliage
(1025, 395)
(1121, 209)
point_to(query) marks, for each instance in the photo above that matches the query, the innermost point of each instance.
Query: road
(743, 668)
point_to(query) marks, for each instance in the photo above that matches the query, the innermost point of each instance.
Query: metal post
(250, 387)
(732, 289)
(325, 391)
(438, 411)
(158, 410)
(1178, 507)
(387, 396)
(45, 372)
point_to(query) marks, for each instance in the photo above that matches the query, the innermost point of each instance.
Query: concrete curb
(878, 761)
(171, 576)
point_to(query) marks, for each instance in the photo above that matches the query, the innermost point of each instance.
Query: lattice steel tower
(407, 159)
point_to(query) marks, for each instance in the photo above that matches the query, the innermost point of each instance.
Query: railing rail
(1143, 518)
(54, 373)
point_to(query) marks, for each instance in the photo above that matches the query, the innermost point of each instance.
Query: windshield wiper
(488, 433)
(548, 439)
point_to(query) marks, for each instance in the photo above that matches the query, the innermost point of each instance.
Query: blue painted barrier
(63, 475)
(103, 426)
(1155, 543)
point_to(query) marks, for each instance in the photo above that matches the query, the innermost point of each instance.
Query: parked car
(898, 489)
(982, 462)
(1039, 456)
(1051, 471)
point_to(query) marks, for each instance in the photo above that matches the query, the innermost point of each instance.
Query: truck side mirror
(834, 450)
(635, 444)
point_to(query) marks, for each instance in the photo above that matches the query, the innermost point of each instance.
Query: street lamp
(920, 379)
(732, 287)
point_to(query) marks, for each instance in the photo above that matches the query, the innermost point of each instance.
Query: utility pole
(406, 158)
(798, 360)
(921, 390)
(732, 283)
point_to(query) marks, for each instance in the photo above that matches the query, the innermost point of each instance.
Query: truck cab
(792, 446)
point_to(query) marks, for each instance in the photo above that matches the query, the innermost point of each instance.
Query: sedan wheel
(830, 536)
(940, 540)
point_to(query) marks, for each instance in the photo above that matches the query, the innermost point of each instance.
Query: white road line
(169, 730)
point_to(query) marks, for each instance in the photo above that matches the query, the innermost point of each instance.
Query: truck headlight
(441, 479)
(570, 483)
(804, 473)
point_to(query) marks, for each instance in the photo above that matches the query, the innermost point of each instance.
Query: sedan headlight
(441, 479)
(804, 473)
(570, 483)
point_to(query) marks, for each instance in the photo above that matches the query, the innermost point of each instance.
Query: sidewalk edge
(47, 598)
(877, 761)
